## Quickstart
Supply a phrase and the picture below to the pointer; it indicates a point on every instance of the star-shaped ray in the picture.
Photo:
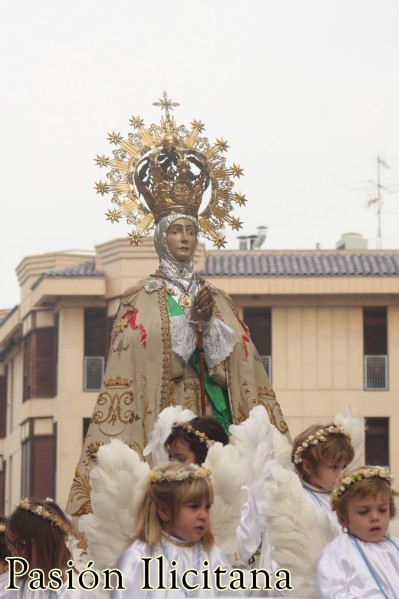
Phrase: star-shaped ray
(101, 187)
(236, 224)
(115, 138)
(237, 170)
(198, 126)
(135, 238)
(240, 199)
(221, 145)
(220, 241)
(101, 160)
(136, 122)
(113, 215)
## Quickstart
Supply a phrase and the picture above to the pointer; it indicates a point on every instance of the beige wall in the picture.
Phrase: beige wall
(317, 346)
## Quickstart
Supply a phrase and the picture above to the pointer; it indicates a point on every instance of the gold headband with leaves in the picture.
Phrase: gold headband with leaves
(318, 437)
(187, 426)
(358, 475)
(190, 473)
(42, 512)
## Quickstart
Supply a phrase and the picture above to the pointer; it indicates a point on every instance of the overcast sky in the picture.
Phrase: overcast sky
(305, 91)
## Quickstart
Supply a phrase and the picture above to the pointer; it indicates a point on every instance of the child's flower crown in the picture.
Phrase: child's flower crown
(43, 512)
(190, 429)
(356, 476)
(318, 437)
(190, 473)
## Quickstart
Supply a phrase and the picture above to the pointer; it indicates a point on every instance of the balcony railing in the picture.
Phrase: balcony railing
(267, 363)
(93, 373)
(376, 373)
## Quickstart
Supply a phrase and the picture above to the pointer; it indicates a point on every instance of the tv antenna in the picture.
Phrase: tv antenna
(378, 199)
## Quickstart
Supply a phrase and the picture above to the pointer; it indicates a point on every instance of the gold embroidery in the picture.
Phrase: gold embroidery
(266, 392)
(122, 324)
(82, 541)
(117, 382)
(113, 412)
(120, 346)
(92, 449)
(273, 410)
(81, 490)
(166, 347)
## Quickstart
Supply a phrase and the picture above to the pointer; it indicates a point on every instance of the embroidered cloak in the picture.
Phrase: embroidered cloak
(144, 376)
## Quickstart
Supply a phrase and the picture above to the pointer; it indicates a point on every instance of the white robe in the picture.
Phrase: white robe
(322, 500)
(3, 583)
(342, 572)
(187, 557)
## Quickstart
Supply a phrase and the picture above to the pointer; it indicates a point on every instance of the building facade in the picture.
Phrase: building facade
(326, 324)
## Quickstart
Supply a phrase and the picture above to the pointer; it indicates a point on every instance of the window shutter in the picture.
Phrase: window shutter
(45, 363)
(3, 406)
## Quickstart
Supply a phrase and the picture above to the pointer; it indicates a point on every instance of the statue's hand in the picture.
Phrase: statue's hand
(202, 308)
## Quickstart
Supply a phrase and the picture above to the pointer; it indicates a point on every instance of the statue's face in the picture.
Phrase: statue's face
(181, 239)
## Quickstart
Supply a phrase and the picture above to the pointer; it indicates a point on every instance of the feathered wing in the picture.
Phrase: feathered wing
(119, 481)
(161, 431)
(260, 444)
(298, 530)
(228, 476)
(355, 425)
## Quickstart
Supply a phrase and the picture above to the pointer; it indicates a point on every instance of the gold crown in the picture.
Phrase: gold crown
(170, 167)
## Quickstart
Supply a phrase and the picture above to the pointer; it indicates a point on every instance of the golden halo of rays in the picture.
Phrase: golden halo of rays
(129, 151)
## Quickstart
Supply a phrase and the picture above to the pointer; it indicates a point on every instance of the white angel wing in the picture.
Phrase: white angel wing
(228, 476)
(259, 442)
(297, 529)
(119, 481)
(355, 425)
(161, 431)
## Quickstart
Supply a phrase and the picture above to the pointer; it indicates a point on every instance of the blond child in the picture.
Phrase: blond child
(362, 561)
(173, 538)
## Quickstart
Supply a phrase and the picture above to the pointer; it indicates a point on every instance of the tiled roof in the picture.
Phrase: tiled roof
(84, 269)
(302, 264)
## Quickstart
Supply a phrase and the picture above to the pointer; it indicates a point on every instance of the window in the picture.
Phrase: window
(93, 373)
(259, 322)
(38, 466)
(40, 363)
(2, 485)
(95, 332)
(375, 349)
(377, 441)
(3, 407)
(95, 347)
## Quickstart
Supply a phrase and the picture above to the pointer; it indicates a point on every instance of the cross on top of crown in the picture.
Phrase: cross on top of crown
(166, 104)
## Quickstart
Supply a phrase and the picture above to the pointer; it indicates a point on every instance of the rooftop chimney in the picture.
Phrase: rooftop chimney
(352, 241)
(252, 242)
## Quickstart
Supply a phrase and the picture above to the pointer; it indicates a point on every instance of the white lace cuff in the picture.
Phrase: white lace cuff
(218, 343)
(184, 337)
(218, 339)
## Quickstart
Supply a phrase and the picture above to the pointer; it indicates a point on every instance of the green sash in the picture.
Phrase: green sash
(217, 395)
